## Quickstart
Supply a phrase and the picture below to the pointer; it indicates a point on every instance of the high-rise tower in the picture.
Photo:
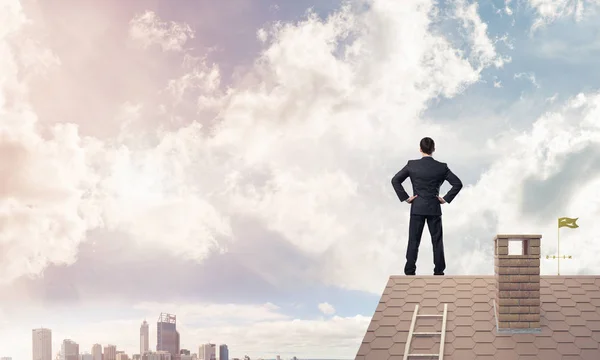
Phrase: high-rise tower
(97, 352)
(144, 338)
(110, 352)
(69, 350)
(167, 337)
(42, 344)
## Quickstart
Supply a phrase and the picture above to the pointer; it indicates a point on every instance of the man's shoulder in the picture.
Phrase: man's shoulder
(428, 159)
(440, 162)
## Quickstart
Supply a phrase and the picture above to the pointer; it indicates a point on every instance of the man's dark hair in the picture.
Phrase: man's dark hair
(427, 145)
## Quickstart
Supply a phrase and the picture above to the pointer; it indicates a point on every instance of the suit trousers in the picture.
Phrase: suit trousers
(415, 231)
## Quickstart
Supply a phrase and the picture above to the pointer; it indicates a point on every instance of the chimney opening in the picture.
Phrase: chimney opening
(516, 247)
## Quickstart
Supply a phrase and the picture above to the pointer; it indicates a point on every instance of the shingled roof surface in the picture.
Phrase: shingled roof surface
(570, 320)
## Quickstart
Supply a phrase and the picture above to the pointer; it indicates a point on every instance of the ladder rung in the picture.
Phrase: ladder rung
(412, 332)
(427, 355)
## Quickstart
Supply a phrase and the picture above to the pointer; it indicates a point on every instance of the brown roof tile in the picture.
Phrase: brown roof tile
(570, 320)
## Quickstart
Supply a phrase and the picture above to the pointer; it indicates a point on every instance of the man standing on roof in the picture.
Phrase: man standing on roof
(426, 176)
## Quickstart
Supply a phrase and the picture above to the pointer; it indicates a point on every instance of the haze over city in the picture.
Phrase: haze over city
(230, 161)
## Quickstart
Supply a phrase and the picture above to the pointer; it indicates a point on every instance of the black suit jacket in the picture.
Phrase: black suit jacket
(426, 176)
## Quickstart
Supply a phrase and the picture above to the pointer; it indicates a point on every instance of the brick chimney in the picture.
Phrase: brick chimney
(517, 300)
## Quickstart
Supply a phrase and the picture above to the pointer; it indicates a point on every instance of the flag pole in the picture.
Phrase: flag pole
(558, 242)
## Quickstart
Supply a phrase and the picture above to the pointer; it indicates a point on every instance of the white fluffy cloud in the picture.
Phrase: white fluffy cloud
(306, 142)
(44, 173)
(326, 308)
(148, 29)
(550, 10)
(290, 147)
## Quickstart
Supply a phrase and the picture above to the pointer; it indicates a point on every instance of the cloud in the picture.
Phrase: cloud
(482, 45)
(552, 98)
(549, 11)
(204, 79)
(529, 76)
(148, 29)
(46, 177)
(216, 313)
(326, 308)
(178, 187)
(320, 82)
(507, 8)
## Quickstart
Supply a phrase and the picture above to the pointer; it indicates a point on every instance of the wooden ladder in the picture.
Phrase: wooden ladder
(411, 333)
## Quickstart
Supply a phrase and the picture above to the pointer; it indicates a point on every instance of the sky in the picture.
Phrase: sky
(230, 162)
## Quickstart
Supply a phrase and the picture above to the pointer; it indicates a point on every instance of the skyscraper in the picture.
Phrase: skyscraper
(167, 337)
(207, 352)
(97, 352)
(110, 352)
(69, 350)
(223, 352)
(42, 344)
(144, 338)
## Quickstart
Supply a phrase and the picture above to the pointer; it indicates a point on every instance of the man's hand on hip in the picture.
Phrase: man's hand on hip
(441, 199)
(410, 199)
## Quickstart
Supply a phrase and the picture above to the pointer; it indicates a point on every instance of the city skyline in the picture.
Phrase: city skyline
(70, 350)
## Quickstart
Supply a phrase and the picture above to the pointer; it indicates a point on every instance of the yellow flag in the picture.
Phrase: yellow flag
(567, 222)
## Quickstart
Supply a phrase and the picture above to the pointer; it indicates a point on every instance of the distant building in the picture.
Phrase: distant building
(159, 355)
(207, 352)
(69, 350)
(110, 352)
(222, 353)
(167, 337)
(86, 356)
(144, 338)
(96, 352)
(42, 344)
(6, 358)
(122, 356)
(186, 357)
(136, 357)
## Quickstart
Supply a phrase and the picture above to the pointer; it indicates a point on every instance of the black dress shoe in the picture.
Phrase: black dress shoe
(410, 274)
(438, 273)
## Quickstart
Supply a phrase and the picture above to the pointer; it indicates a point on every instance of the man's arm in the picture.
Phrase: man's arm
(456, 185)
(397, 183)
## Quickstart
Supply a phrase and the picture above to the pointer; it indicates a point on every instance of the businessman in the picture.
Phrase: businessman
(426, 176)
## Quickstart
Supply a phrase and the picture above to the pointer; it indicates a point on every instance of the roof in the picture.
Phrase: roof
(570, 320)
